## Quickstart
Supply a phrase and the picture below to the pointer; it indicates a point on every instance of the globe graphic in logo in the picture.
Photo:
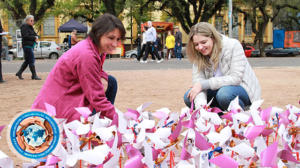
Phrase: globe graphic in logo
(34, 134)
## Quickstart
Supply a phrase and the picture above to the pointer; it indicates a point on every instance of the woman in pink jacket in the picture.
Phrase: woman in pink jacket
(78, 79)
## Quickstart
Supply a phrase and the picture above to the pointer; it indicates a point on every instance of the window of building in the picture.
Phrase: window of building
(248, 28)
(12, 28)
(235, 26)
(219, 23)
(49, 26)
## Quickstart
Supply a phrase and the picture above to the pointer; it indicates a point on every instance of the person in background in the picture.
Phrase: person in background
(140, 55)
(66, 39)
(157, 45)
(138, 42)
(78, 78)
(69, 41)
(178, 43)
(170, 44)
(5, 47)
(74, 39)
(150, 39)
(29, 40)
(1, 77)
(243, 44)
(221, 72)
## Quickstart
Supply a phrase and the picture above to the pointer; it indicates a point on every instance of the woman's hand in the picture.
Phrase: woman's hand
(195, 90)
(104, 83)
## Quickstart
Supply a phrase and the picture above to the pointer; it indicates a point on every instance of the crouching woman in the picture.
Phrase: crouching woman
(221, 71)
(78, 79)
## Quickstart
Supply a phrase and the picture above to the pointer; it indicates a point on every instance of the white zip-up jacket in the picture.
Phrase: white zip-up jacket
(235, 68)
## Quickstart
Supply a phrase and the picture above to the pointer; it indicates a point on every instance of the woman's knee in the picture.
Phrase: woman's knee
(224, 96)
(112, 81)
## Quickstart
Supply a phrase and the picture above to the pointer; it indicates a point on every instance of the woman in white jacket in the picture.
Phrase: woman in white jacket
(221, 71)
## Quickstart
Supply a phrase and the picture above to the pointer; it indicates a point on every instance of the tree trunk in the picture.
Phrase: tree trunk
(261, 32)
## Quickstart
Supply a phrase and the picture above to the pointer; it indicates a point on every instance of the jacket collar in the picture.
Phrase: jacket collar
(95, 49)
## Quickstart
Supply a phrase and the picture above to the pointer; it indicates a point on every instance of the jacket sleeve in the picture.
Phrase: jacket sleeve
(26, 34)
(198, 76)
(201, 98)
(104, 75)
(89, 72)
(236, 60)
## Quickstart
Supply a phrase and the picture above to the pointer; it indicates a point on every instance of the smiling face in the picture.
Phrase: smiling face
(30, 21)
(203, 44)
(110, 41)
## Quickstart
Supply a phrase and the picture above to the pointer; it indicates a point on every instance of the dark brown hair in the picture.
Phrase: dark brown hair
(105, 24)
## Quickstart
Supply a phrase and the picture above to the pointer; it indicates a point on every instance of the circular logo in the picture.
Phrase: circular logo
(34, 134)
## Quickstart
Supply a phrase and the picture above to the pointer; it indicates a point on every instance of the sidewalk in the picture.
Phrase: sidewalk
(115, 64)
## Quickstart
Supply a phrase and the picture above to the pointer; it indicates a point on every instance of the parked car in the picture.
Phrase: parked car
(131, 53)
(43, 49)
(273, 52)
(248, 50)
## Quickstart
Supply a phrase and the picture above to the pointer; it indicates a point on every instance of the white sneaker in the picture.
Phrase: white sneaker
(143, 62)
(159, 61)
(152, 60)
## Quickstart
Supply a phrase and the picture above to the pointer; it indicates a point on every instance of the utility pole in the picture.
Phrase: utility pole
(230, 18)
(131, 46)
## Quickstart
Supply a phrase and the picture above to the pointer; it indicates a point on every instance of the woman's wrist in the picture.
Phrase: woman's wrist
(205, 84)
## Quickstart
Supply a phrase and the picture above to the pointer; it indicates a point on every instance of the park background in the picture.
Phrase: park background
(162, 84)
(251, 21)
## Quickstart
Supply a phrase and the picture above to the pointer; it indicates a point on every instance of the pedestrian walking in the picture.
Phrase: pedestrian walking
(178, 43)
(138, 42)
(158, 45)
(150, 39)
(170, 44)
(29, 39)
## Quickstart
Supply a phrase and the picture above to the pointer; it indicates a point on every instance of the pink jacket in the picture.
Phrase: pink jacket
(75, 81)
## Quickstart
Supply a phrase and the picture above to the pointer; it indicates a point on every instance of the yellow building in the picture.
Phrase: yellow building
(242, 31)
(47, 30)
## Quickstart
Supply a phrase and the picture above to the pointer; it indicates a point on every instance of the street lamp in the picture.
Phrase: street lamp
(230, 18)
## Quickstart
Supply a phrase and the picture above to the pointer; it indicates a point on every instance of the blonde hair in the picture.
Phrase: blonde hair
(207, 30)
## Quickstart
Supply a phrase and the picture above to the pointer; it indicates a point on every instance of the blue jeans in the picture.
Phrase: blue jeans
(139, 50)
(112, 88)
(28, 56)
(177, 50)
(223, 96)
(111, 91)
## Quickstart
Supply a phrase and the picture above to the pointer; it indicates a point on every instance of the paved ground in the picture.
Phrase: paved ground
(115, 64)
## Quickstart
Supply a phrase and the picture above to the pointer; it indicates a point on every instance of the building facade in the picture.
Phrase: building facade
(48, 29)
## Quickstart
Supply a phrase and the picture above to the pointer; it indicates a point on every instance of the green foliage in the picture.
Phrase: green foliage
(288, 18)
(261, 12)
(139, 10)
(18, 9)
(89, 10)
(188, 13)
(115, 7)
